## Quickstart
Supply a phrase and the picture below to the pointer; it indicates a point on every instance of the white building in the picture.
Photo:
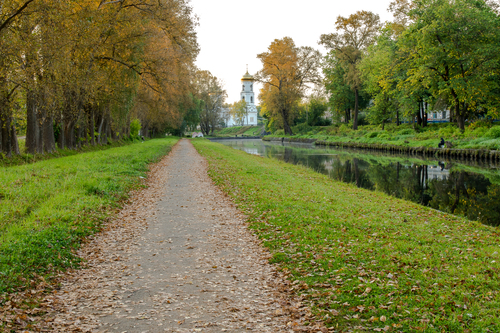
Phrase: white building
(248, 95)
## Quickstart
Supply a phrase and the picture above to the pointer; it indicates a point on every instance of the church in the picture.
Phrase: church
(246, 94)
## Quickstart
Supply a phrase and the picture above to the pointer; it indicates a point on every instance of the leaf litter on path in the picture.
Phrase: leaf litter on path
(177, 258)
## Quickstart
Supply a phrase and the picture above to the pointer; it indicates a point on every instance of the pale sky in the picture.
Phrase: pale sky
(231, 33)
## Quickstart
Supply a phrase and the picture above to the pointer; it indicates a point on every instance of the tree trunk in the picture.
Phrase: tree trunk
(13, 140)
(99, 132)
(424, 111)
(286, 126)
(62, 139)
(49, 144)
(31, 123)
(356, 105)
(92, 128)
(397, 117)
(70, 135)
(1, 134)
(419, 114)
(6, 135)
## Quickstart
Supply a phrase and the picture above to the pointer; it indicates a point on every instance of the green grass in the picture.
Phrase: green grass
(476, 136)
(239, 130)
(25, 158)
(47, 208)
(365, 261)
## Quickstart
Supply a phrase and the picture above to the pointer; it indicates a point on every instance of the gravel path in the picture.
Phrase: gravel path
(178, 258)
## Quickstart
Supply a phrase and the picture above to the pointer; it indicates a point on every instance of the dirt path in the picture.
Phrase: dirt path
(178, 259)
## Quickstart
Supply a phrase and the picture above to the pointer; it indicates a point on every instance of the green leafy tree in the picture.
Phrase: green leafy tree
(341, 96)
(452, 49)
(316, 109)
(354, 34)
(193, 112)
(380, 78)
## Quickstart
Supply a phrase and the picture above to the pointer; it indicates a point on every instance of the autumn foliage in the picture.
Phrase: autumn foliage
(77, 72)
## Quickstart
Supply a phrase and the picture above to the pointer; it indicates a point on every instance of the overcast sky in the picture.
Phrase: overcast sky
(231, 32)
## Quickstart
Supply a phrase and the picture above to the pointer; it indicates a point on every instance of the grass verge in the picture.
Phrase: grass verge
(47, 208)
(363, 260)
(25, 158)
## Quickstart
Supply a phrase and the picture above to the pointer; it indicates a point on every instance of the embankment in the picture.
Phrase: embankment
(364, 261)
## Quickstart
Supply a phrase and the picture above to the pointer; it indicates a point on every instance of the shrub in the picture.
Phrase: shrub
(279, 132)
(301, 128)
(371, 135)
(135, 127)
(449, 131)
(479, 132)
(479, 124)
(384, 136)
(406, 131)
(344, 129)
(323, 122)
(494, 132)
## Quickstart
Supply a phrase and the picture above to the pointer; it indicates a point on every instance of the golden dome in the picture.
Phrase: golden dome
(247, 77)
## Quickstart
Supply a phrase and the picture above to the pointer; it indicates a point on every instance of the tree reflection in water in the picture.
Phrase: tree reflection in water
(437, 185)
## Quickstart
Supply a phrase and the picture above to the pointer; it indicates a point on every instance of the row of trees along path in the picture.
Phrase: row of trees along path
(76, 72)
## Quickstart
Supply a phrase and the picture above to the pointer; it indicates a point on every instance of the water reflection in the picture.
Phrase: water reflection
(444, 186)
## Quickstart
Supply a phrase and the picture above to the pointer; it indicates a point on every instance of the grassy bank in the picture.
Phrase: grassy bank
(363, 260)
(239, 130)
(479, 135)
(25, 158)
(46, 208)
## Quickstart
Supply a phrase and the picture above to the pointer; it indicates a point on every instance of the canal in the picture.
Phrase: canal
(470, 190)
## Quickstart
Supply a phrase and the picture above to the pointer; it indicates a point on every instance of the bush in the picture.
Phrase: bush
(449, 131)
(323, 122)
(371, 135)
(279, 132)
(479, 124)
(494, 132)
(384, 136)
(301, 128)
(135, 127)
(406, 131)
(479, 132)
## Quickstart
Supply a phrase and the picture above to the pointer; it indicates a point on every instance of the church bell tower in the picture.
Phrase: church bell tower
(248, 96)
(247, 88)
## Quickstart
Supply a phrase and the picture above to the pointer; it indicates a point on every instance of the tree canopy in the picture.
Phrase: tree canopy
(286, 72)
(79, 71)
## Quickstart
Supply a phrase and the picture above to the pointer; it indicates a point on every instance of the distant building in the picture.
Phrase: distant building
(438, 116)
(248, 95)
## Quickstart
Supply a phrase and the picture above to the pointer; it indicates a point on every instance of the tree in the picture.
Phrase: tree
(378, 71)
(341, 96)
(355, 34)
(86, 68)
(316, 108)
(192, 114)
(286, 72)
(212, 95)
(238, 110)
(452, 49)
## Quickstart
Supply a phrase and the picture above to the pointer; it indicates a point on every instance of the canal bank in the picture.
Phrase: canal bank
(469, 188)
(364, 260)
(471, 154)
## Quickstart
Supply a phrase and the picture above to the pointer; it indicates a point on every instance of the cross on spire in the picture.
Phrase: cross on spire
(247, 68)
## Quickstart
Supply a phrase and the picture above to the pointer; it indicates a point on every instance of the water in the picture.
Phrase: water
(471, 190)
